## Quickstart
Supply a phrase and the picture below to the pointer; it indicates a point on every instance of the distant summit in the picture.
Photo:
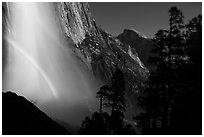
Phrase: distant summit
(140, 34)
(139, 44)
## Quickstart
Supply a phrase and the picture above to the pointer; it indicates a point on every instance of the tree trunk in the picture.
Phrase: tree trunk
(100, 107)
(154, 125)
(164, 113)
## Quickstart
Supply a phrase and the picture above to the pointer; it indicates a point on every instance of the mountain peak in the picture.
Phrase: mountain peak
(140, 43)
(140, 34)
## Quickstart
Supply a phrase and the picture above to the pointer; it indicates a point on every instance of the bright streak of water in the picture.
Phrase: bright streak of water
(42, 67)
(35, 64)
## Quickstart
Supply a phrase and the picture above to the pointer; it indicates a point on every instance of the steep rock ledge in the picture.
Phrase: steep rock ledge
(101, 51)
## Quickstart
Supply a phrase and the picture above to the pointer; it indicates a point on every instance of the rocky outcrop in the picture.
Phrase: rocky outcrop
(21, 117)
(101, 51)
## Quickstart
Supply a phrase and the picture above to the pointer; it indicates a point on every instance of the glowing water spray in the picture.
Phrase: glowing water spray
(26, 34)
(35, 64)
(42, 67)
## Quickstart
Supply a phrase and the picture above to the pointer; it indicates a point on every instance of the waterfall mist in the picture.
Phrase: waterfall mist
(42, 67)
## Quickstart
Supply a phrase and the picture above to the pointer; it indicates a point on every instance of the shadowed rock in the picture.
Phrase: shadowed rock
(21, 117)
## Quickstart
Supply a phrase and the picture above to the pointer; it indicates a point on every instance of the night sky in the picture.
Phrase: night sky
(146, 17)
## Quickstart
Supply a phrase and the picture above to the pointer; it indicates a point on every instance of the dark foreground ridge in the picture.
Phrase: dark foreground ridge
(21, 117)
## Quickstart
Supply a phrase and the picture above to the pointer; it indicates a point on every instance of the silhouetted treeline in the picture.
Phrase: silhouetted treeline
(173, 98)
(110, 121)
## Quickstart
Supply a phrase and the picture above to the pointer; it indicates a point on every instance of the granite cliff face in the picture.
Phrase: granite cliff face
(99, 50)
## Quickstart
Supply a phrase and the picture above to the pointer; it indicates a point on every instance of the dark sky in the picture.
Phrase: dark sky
(146, 17)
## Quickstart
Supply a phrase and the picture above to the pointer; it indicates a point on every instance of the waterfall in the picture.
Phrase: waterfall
(41, 65)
